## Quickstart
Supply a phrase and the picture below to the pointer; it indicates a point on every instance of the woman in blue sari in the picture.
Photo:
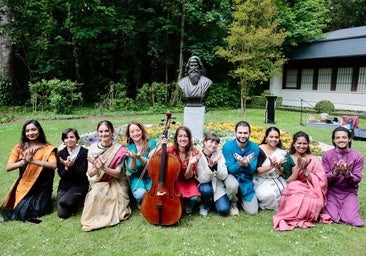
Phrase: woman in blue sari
(139, 146)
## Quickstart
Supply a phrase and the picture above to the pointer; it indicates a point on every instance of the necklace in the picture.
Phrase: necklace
(182, 155)
(140, 147)
(104, 147)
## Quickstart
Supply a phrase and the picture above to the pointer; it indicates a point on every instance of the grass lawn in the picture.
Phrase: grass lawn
(194, 234)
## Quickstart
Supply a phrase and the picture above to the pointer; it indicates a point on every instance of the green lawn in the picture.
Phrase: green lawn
(193, 235)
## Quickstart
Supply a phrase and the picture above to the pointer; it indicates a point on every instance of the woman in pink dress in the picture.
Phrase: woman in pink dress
(303, 200)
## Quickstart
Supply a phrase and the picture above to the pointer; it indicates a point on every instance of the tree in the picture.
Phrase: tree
(346, 14)
(203, 25)
(254, 44)
(303, 20)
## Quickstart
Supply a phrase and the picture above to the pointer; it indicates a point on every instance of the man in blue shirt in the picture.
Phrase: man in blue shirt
(241, 156)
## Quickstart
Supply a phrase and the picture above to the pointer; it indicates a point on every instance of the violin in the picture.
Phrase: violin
(162, 204)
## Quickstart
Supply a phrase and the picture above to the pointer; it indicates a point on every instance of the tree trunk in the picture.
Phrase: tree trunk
(175, 96)
(242, 102)
(5, 43)
(166, 56)
(181, 44)
(243, 97)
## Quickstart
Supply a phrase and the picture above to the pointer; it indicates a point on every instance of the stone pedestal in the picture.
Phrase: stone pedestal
(194, 118)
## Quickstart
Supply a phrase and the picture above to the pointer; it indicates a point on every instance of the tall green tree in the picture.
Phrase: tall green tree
(102, 35)
(203, 25)
(303, 20)
(97, 42)
(254, 44)
(346, 13)
(84, 41)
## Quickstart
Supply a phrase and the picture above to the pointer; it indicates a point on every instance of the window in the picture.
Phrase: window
(344, 79)
(362, 80)
(324, 79)
(343, 75)
(307, 79)
(291, 78)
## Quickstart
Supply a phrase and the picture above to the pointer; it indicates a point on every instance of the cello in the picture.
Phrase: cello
(162, 205)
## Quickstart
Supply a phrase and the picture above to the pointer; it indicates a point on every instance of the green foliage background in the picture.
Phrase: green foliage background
(138, 43)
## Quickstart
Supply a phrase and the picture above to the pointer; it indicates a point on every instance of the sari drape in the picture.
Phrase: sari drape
(302, 202)
(31, 194)
(107, 202)
(269, 186)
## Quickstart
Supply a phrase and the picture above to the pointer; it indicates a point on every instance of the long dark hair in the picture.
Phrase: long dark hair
(295, 138)
(269, 129)
(189, 134)
(41, 137)
(342, 129)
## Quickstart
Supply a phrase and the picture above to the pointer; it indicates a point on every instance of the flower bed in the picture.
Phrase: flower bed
(224, 130)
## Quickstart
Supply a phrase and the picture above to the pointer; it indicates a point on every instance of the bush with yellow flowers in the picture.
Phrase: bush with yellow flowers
(224, 130)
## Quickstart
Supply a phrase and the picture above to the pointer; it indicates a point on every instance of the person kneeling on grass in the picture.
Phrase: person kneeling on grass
(215, 181)
(343, 167)
(241, 156)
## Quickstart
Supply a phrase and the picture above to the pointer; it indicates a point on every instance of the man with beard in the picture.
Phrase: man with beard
(195, 84)
(241, 157)
(343, 167)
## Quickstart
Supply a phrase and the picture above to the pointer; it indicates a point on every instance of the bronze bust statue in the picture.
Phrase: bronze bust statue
(195, 84)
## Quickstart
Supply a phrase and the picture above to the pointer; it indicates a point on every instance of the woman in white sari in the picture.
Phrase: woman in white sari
(268, 182)
(107, 202)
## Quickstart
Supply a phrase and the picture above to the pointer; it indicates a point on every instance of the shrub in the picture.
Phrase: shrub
(150, 95)
(55, 95)
(223, 96)
(116, 98)
(261, 100)
(324, 106)
(6, 98)
(257, 101)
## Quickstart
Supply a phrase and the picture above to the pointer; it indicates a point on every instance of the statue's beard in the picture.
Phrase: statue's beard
(194, 77)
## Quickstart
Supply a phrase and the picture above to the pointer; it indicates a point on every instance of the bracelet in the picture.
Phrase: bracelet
(22, 162)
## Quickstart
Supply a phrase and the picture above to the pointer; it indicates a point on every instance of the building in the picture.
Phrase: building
(333, 68)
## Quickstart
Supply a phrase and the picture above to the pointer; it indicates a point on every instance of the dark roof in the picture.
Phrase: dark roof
(340, 43)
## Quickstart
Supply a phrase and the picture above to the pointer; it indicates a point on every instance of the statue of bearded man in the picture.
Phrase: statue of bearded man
(195, 84)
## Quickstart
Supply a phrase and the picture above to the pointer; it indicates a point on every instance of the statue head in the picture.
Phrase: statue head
(194, 69)
(195, 84)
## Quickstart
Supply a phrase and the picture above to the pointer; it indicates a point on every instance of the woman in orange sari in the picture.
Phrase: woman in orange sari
(30, 196)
